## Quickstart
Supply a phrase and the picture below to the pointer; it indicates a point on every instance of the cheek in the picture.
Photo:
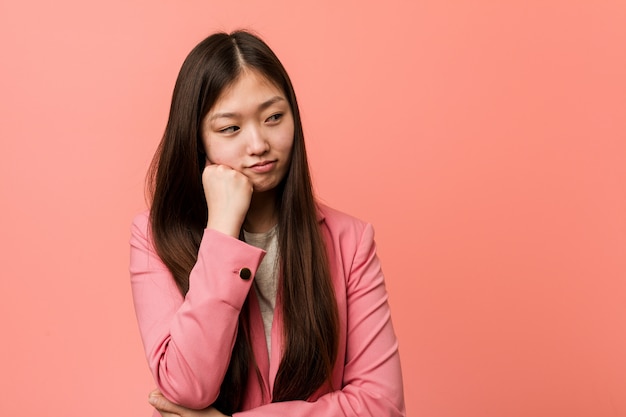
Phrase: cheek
(205, 145)
(212, 149)
(222, 153)
(286, 140)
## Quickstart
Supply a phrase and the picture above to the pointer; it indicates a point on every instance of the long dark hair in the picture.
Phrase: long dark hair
(179, 214)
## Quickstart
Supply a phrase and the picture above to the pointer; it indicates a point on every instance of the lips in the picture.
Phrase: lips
(263, 166)
(262, 163)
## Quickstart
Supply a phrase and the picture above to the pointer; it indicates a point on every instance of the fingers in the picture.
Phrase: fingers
(168, 409)
(228, 193)
(163, 405)
(166, 414)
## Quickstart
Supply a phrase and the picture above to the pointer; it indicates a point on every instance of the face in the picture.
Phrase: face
(250, 129)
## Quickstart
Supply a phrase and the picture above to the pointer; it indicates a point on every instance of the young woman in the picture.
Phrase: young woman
(252, 298)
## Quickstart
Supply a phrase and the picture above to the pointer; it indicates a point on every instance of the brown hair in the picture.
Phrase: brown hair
(179, 214)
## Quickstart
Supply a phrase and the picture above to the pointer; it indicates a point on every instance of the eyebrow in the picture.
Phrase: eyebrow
(261, 107)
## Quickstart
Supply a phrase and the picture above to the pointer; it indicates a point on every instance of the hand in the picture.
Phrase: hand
(228, 193)
(168, 409)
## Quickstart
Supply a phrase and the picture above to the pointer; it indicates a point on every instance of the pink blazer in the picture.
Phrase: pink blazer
(188, 341)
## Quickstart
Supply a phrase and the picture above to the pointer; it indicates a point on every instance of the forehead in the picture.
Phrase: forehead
(250, 88)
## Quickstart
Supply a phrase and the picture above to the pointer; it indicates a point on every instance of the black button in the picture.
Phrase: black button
(245, 273)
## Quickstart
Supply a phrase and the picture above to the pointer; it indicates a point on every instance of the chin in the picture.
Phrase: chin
(263, 188)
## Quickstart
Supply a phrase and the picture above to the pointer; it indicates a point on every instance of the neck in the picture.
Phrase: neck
(261, 215)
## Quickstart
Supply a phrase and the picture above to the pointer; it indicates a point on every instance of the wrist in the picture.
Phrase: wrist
(224, 228)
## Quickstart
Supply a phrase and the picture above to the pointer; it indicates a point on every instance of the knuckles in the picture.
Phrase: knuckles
(215, 174)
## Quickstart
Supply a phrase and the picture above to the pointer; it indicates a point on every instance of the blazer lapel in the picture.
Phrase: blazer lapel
(259, 345)
(277, 343)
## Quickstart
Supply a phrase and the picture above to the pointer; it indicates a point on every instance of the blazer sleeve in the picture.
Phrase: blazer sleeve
(372, 380)
(188, 340)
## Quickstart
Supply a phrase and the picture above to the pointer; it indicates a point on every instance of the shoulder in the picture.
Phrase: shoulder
(332, 216)
(351, 248)
(142, 219)
(140, 227)
(141, 222)
(342, 226)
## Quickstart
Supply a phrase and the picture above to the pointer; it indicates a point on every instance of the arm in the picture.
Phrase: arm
(372, 380)
(188, 341)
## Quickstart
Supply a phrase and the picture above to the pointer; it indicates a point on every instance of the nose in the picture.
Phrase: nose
(257, 143)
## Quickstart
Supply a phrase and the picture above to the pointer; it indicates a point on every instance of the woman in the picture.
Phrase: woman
(252, 298)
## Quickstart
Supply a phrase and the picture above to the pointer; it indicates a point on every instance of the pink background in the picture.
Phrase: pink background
(485, 140)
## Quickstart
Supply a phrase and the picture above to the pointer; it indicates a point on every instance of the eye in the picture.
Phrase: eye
(274, 118)
(229, 129)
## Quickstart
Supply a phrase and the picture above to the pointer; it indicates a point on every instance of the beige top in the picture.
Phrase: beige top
(266, 278)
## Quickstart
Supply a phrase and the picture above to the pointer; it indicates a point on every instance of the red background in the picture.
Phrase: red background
(485, 140)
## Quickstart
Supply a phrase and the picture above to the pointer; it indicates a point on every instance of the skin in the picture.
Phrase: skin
(168, 409)
(251, 124)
